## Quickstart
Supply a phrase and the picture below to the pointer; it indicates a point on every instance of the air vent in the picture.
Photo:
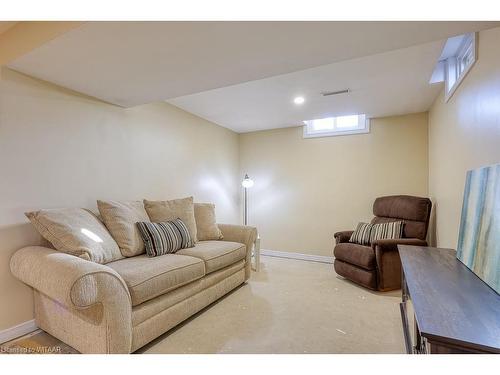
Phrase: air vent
(335, 92)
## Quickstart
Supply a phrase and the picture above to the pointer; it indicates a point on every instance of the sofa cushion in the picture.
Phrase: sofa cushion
(147, 277)
(361, 256)
(76, 231)
(216, 254)
(161, 211)
(120, 219)
(206, 224)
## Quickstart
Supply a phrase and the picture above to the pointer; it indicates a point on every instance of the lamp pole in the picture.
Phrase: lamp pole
(245, 208)
(246, 183)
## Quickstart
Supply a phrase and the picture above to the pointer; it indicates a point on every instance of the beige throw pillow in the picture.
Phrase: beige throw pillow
(161, 211)
(206, 223)
(120, 218)
(76, 231)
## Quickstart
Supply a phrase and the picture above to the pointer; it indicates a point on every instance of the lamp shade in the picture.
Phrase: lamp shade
(247, 182)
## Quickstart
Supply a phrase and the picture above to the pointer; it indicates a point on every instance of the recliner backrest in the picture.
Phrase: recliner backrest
(415, 211)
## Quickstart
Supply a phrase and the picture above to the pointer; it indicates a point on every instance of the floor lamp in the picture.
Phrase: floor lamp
(246, 183)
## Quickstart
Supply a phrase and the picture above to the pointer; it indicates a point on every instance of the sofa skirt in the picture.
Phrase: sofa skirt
(167, 319)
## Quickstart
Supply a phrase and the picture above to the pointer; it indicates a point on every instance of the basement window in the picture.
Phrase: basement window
(333, 126)
(457, 58)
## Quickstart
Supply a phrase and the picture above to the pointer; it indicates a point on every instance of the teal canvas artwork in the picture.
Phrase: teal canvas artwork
(479, 236)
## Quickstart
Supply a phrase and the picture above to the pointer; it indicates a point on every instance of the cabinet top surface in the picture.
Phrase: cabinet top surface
(451, 303)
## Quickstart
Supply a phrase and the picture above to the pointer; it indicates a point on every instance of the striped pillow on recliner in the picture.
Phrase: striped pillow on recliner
(365, 234)
(385, 231)
(361, 235)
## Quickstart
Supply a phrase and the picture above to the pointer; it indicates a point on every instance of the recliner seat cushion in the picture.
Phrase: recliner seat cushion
(361, 256)
(147, 277)
(216, 254)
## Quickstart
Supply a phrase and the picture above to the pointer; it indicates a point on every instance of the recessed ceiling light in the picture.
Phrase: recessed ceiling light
(299, 100)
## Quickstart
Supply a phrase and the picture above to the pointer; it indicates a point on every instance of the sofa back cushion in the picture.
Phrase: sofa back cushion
(161, 211)
(76, 231)
(120, 218)
(206, 223)
(414, 211)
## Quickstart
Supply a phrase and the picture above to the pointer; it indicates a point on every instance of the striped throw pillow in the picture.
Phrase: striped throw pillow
(365, 233)
(362, 234)
(383, 231)
(165, 238)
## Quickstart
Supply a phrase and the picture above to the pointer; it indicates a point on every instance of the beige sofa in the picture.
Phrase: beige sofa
(121, 306)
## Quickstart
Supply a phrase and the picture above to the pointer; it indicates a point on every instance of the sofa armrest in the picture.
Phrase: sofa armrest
(343, 236)
(392, 244)
(239, 233)
(79, 284)
(243, 234)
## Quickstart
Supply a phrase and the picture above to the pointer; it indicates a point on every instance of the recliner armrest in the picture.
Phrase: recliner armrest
(388, 261)
(392, 244)
(343, 236)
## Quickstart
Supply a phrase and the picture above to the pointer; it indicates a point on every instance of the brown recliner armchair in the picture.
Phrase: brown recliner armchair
(378, 266)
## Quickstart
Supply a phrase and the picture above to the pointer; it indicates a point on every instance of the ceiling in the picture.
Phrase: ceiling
(389, 83)
(6, 25)
(249, 63)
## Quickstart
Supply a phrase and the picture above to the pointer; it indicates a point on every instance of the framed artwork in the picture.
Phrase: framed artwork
(479, 236)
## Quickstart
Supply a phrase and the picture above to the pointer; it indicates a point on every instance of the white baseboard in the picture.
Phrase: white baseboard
(17, 331)
(299, 256)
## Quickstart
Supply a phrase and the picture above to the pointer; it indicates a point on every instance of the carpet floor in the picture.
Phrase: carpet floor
(290, 306)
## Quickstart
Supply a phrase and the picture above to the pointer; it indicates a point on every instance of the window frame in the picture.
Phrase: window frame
(453, 64)
(309, 133)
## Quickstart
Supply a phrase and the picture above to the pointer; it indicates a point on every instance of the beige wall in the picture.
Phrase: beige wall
(307, 189)
(61, 149)
(464, 134)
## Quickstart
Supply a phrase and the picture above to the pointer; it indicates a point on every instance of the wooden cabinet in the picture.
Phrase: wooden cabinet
(445, 307)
